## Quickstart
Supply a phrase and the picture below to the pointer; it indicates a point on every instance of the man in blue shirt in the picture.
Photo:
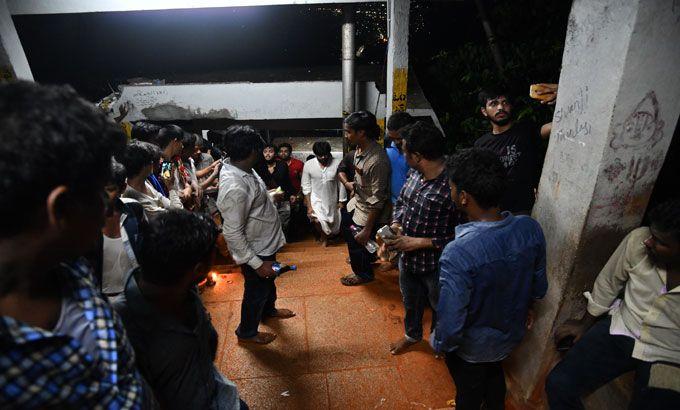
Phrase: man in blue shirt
(490, 275)
(395, 124)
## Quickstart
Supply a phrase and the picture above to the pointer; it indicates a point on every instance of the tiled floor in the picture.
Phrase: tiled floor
(335, 353)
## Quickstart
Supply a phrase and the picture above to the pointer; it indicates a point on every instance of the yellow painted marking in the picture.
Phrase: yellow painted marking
(399, 90)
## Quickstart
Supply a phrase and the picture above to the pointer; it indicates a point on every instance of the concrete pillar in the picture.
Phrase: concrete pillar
(13, 62)
(348, 91)
(397, 55)
(617, 107)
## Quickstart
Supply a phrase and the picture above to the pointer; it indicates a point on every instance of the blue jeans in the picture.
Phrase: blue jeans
(596, 359)
(259, 297)
(417, 291)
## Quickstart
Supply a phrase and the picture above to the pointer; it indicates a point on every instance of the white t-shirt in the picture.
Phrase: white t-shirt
(115, 265)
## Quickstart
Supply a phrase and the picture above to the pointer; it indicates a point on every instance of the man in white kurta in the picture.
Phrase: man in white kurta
(322, 190)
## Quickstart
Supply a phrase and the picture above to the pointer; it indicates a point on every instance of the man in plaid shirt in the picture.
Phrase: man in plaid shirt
(61, 343)
(424, 220)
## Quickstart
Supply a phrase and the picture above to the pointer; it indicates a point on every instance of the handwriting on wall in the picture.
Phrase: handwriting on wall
(568, 122)
(147, 97)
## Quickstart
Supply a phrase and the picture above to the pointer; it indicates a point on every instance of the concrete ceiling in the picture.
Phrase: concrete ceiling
(18, 7)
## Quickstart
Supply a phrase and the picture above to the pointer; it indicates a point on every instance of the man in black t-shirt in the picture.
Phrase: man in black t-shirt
(517, 146)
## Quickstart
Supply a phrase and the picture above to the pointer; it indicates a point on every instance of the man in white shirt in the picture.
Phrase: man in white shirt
(120, 235)
(641, 332)
(138, 160)
(323, 192)
(252, 230)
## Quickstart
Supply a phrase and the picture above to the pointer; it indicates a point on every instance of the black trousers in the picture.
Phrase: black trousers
(259, 297)
(360, 258)
(597, 358)
(477, 383)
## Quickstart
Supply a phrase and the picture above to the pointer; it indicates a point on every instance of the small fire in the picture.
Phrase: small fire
(213, 276)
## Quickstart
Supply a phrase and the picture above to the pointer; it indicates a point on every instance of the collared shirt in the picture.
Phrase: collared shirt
(489, 276)
(425, 210)
(153, 202)
(176, 360)
(251, 224)
(371, 185)
(40, 369)
(649, 311)
(399, 170)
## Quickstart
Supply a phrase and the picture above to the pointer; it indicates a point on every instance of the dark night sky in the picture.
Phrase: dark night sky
(90, 51)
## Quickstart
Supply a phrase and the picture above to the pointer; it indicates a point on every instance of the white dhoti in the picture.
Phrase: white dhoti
(325, 192)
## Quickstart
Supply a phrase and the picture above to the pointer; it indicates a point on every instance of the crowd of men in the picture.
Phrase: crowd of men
(105, 240)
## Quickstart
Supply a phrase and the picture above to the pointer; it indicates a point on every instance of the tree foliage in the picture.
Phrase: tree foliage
(530, 34)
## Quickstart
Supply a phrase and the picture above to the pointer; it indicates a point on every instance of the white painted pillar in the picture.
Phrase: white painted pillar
(397, 55)
(13, 62)
(617, 107)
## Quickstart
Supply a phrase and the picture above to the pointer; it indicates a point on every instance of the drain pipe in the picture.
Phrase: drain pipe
(348, 61)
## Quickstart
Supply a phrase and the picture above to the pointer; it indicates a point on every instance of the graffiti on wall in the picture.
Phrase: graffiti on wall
(642, 128)
(636, 163)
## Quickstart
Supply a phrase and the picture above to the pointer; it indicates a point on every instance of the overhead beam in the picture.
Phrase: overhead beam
(240, 101)
(19, 7)
(13, 61)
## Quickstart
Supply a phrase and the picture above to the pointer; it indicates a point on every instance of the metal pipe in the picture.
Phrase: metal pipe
(348, 61)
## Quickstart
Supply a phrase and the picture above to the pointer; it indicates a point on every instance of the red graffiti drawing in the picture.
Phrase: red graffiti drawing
(642, 128)
(614, 169)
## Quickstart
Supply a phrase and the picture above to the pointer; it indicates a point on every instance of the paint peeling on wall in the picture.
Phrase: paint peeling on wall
(170, 111)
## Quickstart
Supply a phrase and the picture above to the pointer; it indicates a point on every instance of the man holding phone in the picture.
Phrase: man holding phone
(252, 230)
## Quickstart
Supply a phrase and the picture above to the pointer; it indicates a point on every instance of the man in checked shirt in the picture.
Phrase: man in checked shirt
(424, 219)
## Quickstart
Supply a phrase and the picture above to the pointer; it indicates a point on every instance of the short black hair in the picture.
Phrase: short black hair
(480, 173)
(399, 120)
(425, 139)
(363, 120)
(490, 93)
(241, 140)
(168, 134)
(321, 148)
(172, 243)
(666, 217)
(200, 141)
(145, 131)
(189, 141)
(156, 152)
(286, 145)
(50, 137)
(118, 174)
(136, 156)
(269, 145)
